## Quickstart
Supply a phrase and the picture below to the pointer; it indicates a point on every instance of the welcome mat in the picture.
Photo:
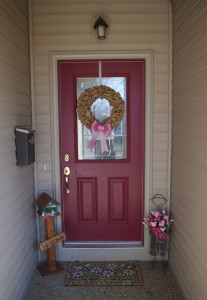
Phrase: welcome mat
(103, 273)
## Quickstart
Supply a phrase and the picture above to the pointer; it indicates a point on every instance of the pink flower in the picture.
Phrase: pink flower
(156, 213)
(162, 223)
(166, 218)
(153, 224)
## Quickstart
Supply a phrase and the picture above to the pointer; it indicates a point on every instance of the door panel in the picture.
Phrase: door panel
(105, 202)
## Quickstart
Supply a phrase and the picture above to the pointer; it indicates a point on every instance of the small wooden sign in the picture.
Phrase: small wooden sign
(52, 241)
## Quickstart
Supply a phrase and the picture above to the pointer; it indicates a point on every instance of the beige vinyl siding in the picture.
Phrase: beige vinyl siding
(67, 25)
(17, 222)
(189, 147)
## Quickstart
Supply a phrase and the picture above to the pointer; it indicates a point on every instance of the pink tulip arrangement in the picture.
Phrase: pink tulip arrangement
(159, 224)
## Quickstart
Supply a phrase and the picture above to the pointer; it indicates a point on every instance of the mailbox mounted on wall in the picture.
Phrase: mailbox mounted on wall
(25, 146)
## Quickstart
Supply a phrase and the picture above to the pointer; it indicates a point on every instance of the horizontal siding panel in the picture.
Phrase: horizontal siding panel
(161, 98)
(23, 6)
(15, 36)
(195, 234)
(11, 71)
(159, 166)
(161, 108)
(42, 100)
(189, 147)
(45, 185)
(191, 80)
(11, 108)
(162, 175)
(14, 120)
(85, 28)
(16, 13)
(16, 183)
(47, 176)
(161, 118)
(43, 80)
(160, 157)
(160, 88)
(199, 48)
(160, 129)
(44, 148)
(7, 145)
(115, 43)
(44, 157)
(91, 9)
(43, 138)
(8, 159)
(14, 23)
(198, 186)
(121, 19)
(193, 92)
(183, 13)
(160, 136)
(13, 96)
(190, 67)
(198, 118)
(160, 146)
(16, 207)
(193, 106)
(42, 109)
(41, 90)
(14, 84)
(197, 149)
(160, 57)
(158, 184)
(12, 59)
(13, 172)
(92, 2)
(6, 134)
(160, 67)
(14, 49)
(43, 129)
(190, 130)
(190, 26)
(61, 40)
(43, 119)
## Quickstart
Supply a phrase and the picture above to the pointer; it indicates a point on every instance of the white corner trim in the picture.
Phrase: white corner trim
(141, 253)
(31, 45)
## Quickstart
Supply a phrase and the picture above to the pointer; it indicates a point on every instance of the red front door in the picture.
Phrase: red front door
(106, 188)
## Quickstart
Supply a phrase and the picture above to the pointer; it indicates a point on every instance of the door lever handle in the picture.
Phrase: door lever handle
(67, 173)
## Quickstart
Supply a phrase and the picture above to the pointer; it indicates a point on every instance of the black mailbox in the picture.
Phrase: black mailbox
(25, 146)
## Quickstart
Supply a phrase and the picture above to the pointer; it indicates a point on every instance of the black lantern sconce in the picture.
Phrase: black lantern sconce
(100, 26)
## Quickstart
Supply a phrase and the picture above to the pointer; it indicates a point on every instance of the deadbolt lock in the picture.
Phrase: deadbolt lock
(66, 157)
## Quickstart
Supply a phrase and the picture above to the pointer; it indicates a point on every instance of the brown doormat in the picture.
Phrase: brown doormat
(103, 273)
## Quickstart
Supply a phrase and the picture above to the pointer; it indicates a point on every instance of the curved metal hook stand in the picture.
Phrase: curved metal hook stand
(159, 197)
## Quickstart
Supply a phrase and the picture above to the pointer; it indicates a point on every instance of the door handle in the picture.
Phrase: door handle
(67, 173)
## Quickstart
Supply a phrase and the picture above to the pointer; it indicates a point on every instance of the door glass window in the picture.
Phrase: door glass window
(116, 142)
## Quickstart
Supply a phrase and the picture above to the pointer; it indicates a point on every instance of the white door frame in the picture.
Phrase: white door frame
(123, 253)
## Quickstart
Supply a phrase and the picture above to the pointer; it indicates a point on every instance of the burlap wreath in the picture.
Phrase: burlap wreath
(89, 96)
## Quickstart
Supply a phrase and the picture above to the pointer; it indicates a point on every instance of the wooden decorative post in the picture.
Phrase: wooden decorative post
(47, 209)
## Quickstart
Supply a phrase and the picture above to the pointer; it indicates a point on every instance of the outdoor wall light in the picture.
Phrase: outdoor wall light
(100, 26)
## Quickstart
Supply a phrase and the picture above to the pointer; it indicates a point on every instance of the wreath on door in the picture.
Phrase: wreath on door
(100, 129)
(89, 96)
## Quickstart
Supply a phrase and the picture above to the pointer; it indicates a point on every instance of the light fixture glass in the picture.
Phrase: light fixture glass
(100, 26)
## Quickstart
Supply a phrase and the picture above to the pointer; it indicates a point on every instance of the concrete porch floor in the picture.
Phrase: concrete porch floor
(159, 283)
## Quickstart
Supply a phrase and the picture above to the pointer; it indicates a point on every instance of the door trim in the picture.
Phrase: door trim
(139, 252)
